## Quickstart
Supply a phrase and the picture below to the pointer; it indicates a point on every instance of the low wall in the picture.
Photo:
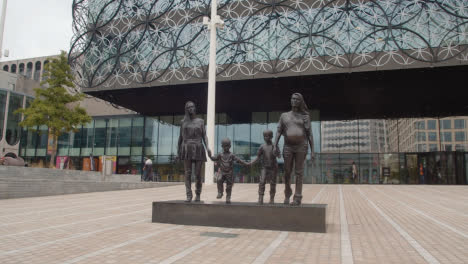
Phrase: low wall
(18, 182)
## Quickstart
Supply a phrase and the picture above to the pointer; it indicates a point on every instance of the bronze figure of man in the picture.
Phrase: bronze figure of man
(295, 127)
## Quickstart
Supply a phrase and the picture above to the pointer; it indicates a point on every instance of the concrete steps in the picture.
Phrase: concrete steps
(18, 182)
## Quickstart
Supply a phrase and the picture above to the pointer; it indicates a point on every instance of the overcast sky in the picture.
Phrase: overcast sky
(35, 28)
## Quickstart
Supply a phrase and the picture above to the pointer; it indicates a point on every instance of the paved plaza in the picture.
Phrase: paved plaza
(366, 224)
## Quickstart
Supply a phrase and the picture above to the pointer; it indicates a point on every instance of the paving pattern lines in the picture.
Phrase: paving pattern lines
(48, 233)
(187, 252)
(432, 234)
(44, 237)
(408, 196)
(304, 247)
(257, 248)
(443, 200)
(81, 211)
(62, 222)
(444, 223)
(373, 239)
(427, 237)
(452, 191)
(346, 251)
(37, 212)
(455, 219)
(60, 252)
(130, 259)
(20, 241)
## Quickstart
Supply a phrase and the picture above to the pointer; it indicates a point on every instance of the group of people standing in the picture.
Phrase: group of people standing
(294, 126)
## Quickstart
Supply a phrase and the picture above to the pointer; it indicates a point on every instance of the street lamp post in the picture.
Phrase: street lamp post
(212, 24)
(2, 25)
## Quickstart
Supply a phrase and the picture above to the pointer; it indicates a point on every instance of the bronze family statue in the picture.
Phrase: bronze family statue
(294, 126)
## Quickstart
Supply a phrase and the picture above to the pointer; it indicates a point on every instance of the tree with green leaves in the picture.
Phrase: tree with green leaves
(54, 106)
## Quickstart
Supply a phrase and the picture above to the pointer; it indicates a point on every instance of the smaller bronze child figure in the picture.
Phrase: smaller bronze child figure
(225, 162)
(269, 167)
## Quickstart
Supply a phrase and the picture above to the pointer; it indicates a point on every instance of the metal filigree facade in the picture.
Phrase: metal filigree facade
(119, 43)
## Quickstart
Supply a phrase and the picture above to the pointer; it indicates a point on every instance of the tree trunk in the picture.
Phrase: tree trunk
(54, 151)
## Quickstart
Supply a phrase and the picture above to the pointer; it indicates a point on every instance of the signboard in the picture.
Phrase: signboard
(61, 162)
(51, 144)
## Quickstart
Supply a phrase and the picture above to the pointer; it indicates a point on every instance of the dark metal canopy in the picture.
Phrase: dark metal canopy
(424, 92)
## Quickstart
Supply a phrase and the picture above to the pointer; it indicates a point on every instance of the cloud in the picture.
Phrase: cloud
(37, 28)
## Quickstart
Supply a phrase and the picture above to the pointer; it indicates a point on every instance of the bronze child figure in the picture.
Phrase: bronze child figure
(225, 162)
(269, 167)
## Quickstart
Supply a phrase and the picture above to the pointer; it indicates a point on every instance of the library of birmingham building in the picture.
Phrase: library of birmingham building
(383, 81)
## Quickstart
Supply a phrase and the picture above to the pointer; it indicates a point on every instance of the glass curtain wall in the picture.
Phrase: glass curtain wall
(13, 129)
(3, 98)
(383, 151)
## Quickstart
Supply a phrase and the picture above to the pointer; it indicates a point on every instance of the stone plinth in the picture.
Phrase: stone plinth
(304, 218)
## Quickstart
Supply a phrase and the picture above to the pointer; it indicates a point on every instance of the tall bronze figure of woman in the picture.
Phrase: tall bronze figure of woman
(190, 149)
(296, 130)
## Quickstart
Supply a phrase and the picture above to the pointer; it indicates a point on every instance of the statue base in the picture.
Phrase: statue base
(304, 218)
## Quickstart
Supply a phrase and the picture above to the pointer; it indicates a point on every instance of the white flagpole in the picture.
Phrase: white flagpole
(210, 113)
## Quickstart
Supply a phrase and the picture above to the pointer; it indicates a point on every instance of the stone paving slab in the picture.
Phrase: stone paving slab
(365, 224)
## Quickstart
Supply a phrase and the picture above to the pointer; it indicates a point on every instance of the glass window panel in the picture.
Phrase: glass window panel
(87, 139)
(345, 136)
(431, 124)
(220, 131)
(460, 147)
(406, 135)
(75, 143)
(100, 127)
(446, 136)
(32, 138)
(330, 168)
(259, 125)
(124, 136)
(419, 125)
(346, 163)
(137, 135)
(165, 135)
(460, 136)
(459, 123)
(420, 136)
(391, 136)
(151, 136)
(390, 172)
(369, 168)
(23, 142)
(176, 132)
(111, 137)
(273, 119)
(241, 142)
(422, 148)
(432, 136)
(224, 130)
(433, 147)
(316, 135)
(12, 128)
(43, 140)
(446, 124)
(63, 144)
(165, 169)
(447, 147)
(3, 97)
